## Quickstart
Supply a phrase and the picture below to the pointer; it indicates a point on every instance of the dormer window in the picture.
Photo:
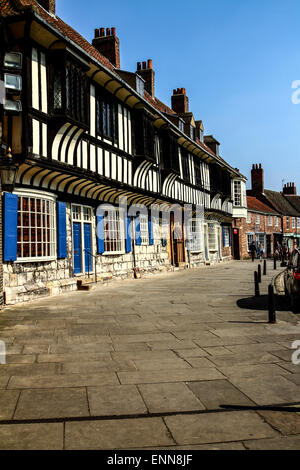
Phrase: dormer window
(181, 125)
(192, 132)
(140, 86)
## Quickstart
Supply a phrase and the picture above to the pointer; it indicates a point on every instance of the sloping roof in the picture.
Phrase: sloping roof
(256, 205)
(15, 7)
(294, 201)
(280, 203)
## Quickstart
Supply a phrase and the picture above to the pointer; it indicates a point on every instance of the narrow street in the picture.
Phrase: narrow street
(152, 363)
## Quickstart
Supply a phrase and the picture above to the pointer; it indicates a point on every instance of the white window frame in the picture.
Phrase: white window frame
(293, 222)
(250, 238)
(237, 193)
(28, 193)
(121, 220)
(298, 222)
(226, 237)
(212, 230)
(195, 236)
(144, 229)
(249, 217)
(276, 221)
(270, 221)
(257, 219)
(288, 223)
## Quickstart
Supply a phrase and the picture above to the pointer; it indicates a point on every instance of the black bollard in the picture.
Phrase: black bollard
(275, 265)
(271, 305)
(259, 273)
(256, 283)
(265, 267)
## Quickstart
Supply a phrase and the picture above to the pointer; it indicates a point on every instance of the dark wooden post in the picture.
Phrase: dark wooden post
(259, 273)
(256, 284)
(265, 267)
(271, 305)
(275, 264)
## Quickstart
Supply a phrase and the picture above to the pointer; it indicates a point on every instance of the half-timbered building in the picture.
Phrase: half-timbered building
(84, 132)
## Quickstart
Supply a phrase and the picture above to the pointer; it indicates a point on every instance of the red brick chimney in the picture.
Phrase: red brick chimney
(48, 5)
(258, 180)
(180, 102)
(145, 70)
(290, 189)
(108, 45)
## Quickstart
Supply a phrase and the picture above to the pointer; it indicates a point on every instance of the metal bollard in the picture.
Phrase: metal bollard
(271, 305)
(275, 264)
(256, 284)
(265, 267)
(259, 273)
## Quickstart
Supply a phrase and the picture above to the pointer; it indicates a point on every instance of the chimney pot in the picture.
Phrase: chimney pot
(139, 66)
(144, 65)
(180, 102)
(257, 177)
(113, 31)
(108, 45)
(147, 73)
(150, 64)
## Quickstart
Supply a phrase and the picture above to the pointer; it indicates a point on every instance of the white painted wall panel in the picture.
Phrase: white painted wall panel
(35, 137)
(35, 78)
(84, 155)
(120, 126)
(44, 134)
(44, 84)
(93, 111)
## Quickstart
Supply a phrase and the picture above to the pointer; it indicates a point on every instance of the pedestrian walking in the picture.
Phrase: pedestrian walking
(253, 250)
(260, 252)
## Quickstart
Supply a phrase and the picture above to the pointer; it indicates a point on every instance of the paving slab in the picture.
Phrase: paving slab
(253, 370)
(62, 381)
(166, 376)
(218, 427)
(282, 443)
(117, 434)
(287, 423)
(174, 344)
(268, 390)
(73, 357)
(8, 401)
(52, 403)
(220, 392)
(97, 367)
(115, 400)
(3, 381)
(168, 398)
(245, 359)
(32, 437)
(161, 364)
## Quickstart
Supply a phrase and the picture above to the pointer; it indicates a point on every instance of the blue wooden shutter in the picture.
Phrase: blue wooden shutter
(224, 237)
(128, 234)
(138, 237)
(100, 234)
(61, 212)
(151, 237)
(10, 227)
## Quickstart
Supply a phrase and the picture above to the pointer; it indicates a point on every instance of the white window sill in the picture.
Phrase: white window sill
(36, 260)
(113, 253)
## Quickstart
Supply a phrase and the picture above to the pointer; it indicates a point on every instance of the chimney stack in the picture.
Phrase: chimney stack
(180, 102)
(145, 70)
(108, 45)
(48, 5)
(290, 189)
(258, 180)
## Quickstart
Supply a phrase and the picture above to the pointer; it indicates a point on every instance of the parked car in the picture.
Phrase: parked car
(292, 280)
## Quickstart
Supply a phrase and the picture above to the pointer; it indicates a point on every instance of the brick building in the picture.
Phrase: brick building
(271, 216)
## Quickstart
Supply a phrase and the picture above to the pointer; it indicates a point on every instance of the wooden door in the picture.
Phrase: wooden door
(177, 243)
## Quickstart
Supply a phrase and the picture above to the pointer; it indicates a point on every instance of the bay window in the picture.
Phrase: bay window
(36, 239)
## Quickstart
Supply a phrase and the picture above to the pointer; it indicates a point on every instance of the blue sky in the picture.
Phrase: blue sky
(237, 60)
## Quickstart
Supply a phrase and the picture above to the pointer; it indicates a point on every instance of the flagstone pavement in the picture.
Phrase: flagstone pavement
(184, 360)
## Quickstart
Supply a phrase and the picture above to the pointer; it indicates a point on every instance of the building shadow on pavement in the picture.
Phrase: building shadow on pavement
(282, 303)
